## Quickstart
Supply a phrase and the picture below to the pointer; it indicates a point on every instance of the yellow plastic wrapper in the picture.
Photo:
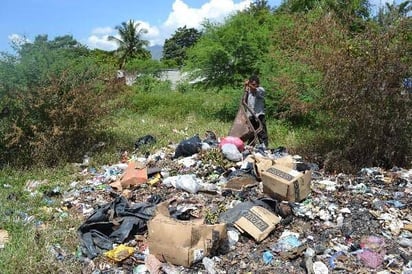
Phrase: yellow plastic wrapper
(155, 179)
(120, 253)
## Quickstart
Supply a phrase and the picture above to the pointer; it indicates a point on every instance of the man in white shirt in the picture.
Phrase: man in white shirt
(256, 102)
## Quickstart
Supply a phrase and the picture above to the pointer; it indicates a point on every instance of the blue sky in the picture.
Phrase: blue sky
(91, 21)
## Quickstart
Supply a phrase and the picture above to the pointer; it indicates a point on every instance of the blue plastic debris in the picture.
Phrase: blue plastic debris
(267, 257)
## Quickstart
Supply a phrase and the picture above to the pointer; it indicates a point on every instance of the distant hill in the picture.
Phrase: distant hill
(156, 51)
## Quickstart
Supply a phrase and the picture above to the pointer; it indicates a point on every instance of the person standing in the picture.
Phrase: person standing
(255, 98)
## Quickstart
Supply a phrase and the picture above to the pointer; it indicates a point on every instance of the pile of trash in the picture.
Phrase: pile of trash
(219, 206)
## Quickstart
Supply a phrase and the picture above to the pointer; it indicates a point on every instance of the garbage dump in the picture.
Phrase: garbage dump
(193, 208)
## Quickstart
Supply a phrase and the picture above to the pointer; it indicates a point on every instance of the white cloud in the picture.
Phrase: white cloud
(101, 42)
(215, 10)
(181, 15)
(98, 39)
(153, 33)
(18, 39)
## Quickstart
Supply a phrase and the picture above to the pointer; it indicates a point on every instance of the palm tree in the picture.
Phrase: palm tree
(131, 44)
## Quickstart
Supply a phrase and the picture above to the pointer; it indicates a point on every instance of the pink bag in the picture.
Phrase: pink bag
(233, 140)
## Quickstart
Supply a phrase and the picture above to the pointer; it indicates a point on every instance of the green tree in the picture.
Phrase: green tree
(104, 57)
(130, 41)
(352, 13)
(174, 49)
(227, 53)
(297, 6)
(259, 5)
(35, 60)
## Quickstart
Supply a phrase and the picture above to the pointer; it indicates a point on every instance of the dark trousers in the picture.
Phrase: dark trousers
(263, 134)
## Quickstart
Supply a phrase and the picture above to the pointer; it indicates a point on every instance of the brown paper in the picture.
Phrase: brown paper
(134, 175)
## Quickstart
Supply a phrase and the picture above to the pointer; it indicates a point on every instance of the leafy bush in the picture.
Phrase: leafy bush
(55, 106)
(149, 83)
(347, 86)
(183, 87)
(55, 123)
(228, 111)
(365, 99)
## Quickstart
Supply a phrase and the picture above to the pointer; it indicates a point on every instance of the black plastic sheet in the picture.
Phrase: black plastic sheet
(113, 223)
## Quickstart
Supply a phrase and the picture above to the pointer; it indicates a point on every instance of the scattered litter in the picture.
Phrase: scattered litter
(223, 206)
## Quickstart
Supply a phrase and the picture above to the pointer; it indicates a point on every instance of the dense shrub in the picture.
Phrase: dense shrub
(364, 95)
(56, 123)
(55, 99)
(347, 86)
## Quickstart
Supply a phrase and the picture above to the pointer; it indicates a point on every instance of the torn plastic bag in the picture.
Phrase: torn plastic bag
(94, 242)
(113, 223)
(129, 225)
(100, 240)
(188, 147)
(231, 152)
(87, 246)
(210, 138)
(144, 140)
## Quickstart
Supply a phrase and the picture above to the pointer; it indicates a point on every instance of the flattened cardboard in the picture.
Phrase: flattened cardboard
(182, 242)
(281, 182)
(135, 174)
(238, 183)
(258, 222)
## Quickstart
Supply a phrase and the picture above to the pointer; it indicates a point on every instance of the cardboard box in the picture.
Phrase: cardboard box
(281, 182)
(260, 163)
(182, 242)
(258, 222)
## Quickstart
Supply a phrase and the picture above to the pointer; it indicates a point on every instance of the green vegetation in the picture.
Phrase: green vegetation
(328, 68)
(131, 44)
(174, 49)
(333, 76)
